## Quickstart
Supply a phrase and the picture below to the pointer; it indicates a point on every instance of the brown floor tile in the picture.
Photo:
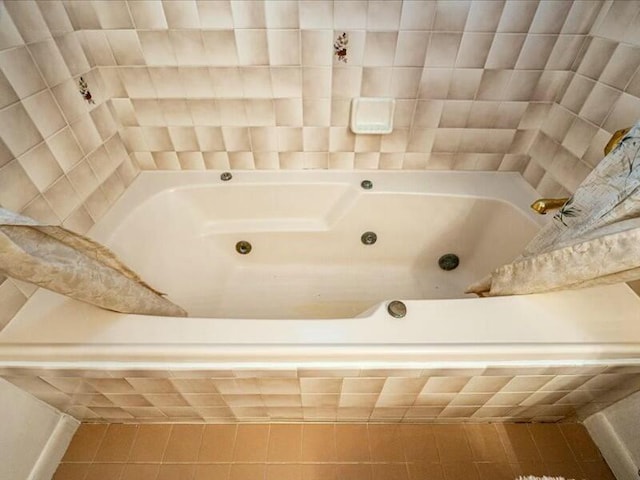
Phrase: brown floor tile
(352, 443)
(285, 443)
(526, 469)
(495, 471)
(361, 471)
(551, 443)
(251, 443)
(104, 471)
(518, 443)
(116, 444)
(569, 469)
(176, 471)
(597, 470)
(485, 443)
(390, 471)
(580, 442)
(419, 443)
(71, 471)
(319, 472)
(318, 443)
(85, 443)
(150, 443)
(184, 443)
(425, 471)
(331, 452)
(284, 472)
(452, 443)
(243, 471)
(385, 443)
(140, 471)
(460, 471)
(212, 472)
(217, 443)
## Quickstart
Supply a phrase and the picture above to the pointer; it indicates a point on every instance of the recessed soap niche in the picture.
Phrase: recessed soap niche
(372, 115)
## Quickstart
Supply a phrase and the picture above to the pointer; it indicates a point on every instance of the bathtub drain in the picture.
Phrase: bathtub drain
(397, 309)
(368, 238)
(449, 261)
(243, 247)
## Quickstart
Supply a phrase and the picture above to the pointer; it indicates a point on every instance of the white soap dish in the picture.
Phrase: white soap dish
(372, 115)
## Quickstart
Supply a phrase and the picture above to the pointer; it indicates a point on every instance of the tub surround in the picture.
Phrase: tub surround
(551, 357)
(443, 392)
(474, 87)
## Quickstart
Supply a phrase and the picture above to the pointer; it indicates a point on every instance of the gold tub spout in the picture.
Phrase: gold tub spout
(542, 205)
(617, 136)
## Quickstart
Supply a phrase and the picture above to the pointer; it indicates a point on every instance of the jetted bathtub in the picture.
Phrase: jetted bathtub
(310, 290)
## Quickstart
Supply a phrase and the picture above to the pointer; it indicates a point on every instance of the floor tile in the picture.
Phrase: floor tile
(425, 471)
(354, 471)
(218, 442)
(284, 472)
(104, 471)
(352, 443)
(116, 444)
(331, 451)
(71, 471)
(551, 443)
(176, 471)
(460, 471)
(452, 443)
(251, 443)
(140, 471)
(597, 470)
(390, 471)
(485, 443)
(568, 469)
(385, 443)
(85, 443)
(150, 443)
(184, 443)
(319, 471)
(419, 443)
(285, 443)
(518, 443)
(580, 442)
(240, 471)
(495, 471)
(212, 472)
(318, 443)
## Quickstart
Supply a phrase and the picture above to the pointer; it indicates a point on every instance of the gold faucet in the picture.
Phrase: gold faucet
(615, 139)
(542, 205)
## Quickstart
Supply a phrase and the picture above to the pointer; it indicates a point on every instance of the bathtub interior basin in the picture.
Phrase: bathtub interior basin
(307, 257)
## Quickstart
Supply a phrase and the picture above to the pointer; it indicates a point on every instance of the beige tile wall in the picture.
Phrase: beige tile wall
(540, 394)
(62, 160)
(602, 95)
(254, 84)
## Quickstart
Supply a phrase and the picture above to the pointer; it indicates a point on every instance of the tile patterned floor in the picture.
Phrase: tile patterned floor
(331, 452)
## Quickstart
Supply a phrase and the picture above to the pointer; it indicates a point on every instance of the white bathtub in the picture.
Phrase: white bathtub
(298, 329)
(310, 291)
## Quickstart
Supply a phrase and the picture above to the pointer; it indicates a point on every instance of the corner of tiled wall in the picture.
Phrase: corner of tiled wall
(62, 160)
(602, 95)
